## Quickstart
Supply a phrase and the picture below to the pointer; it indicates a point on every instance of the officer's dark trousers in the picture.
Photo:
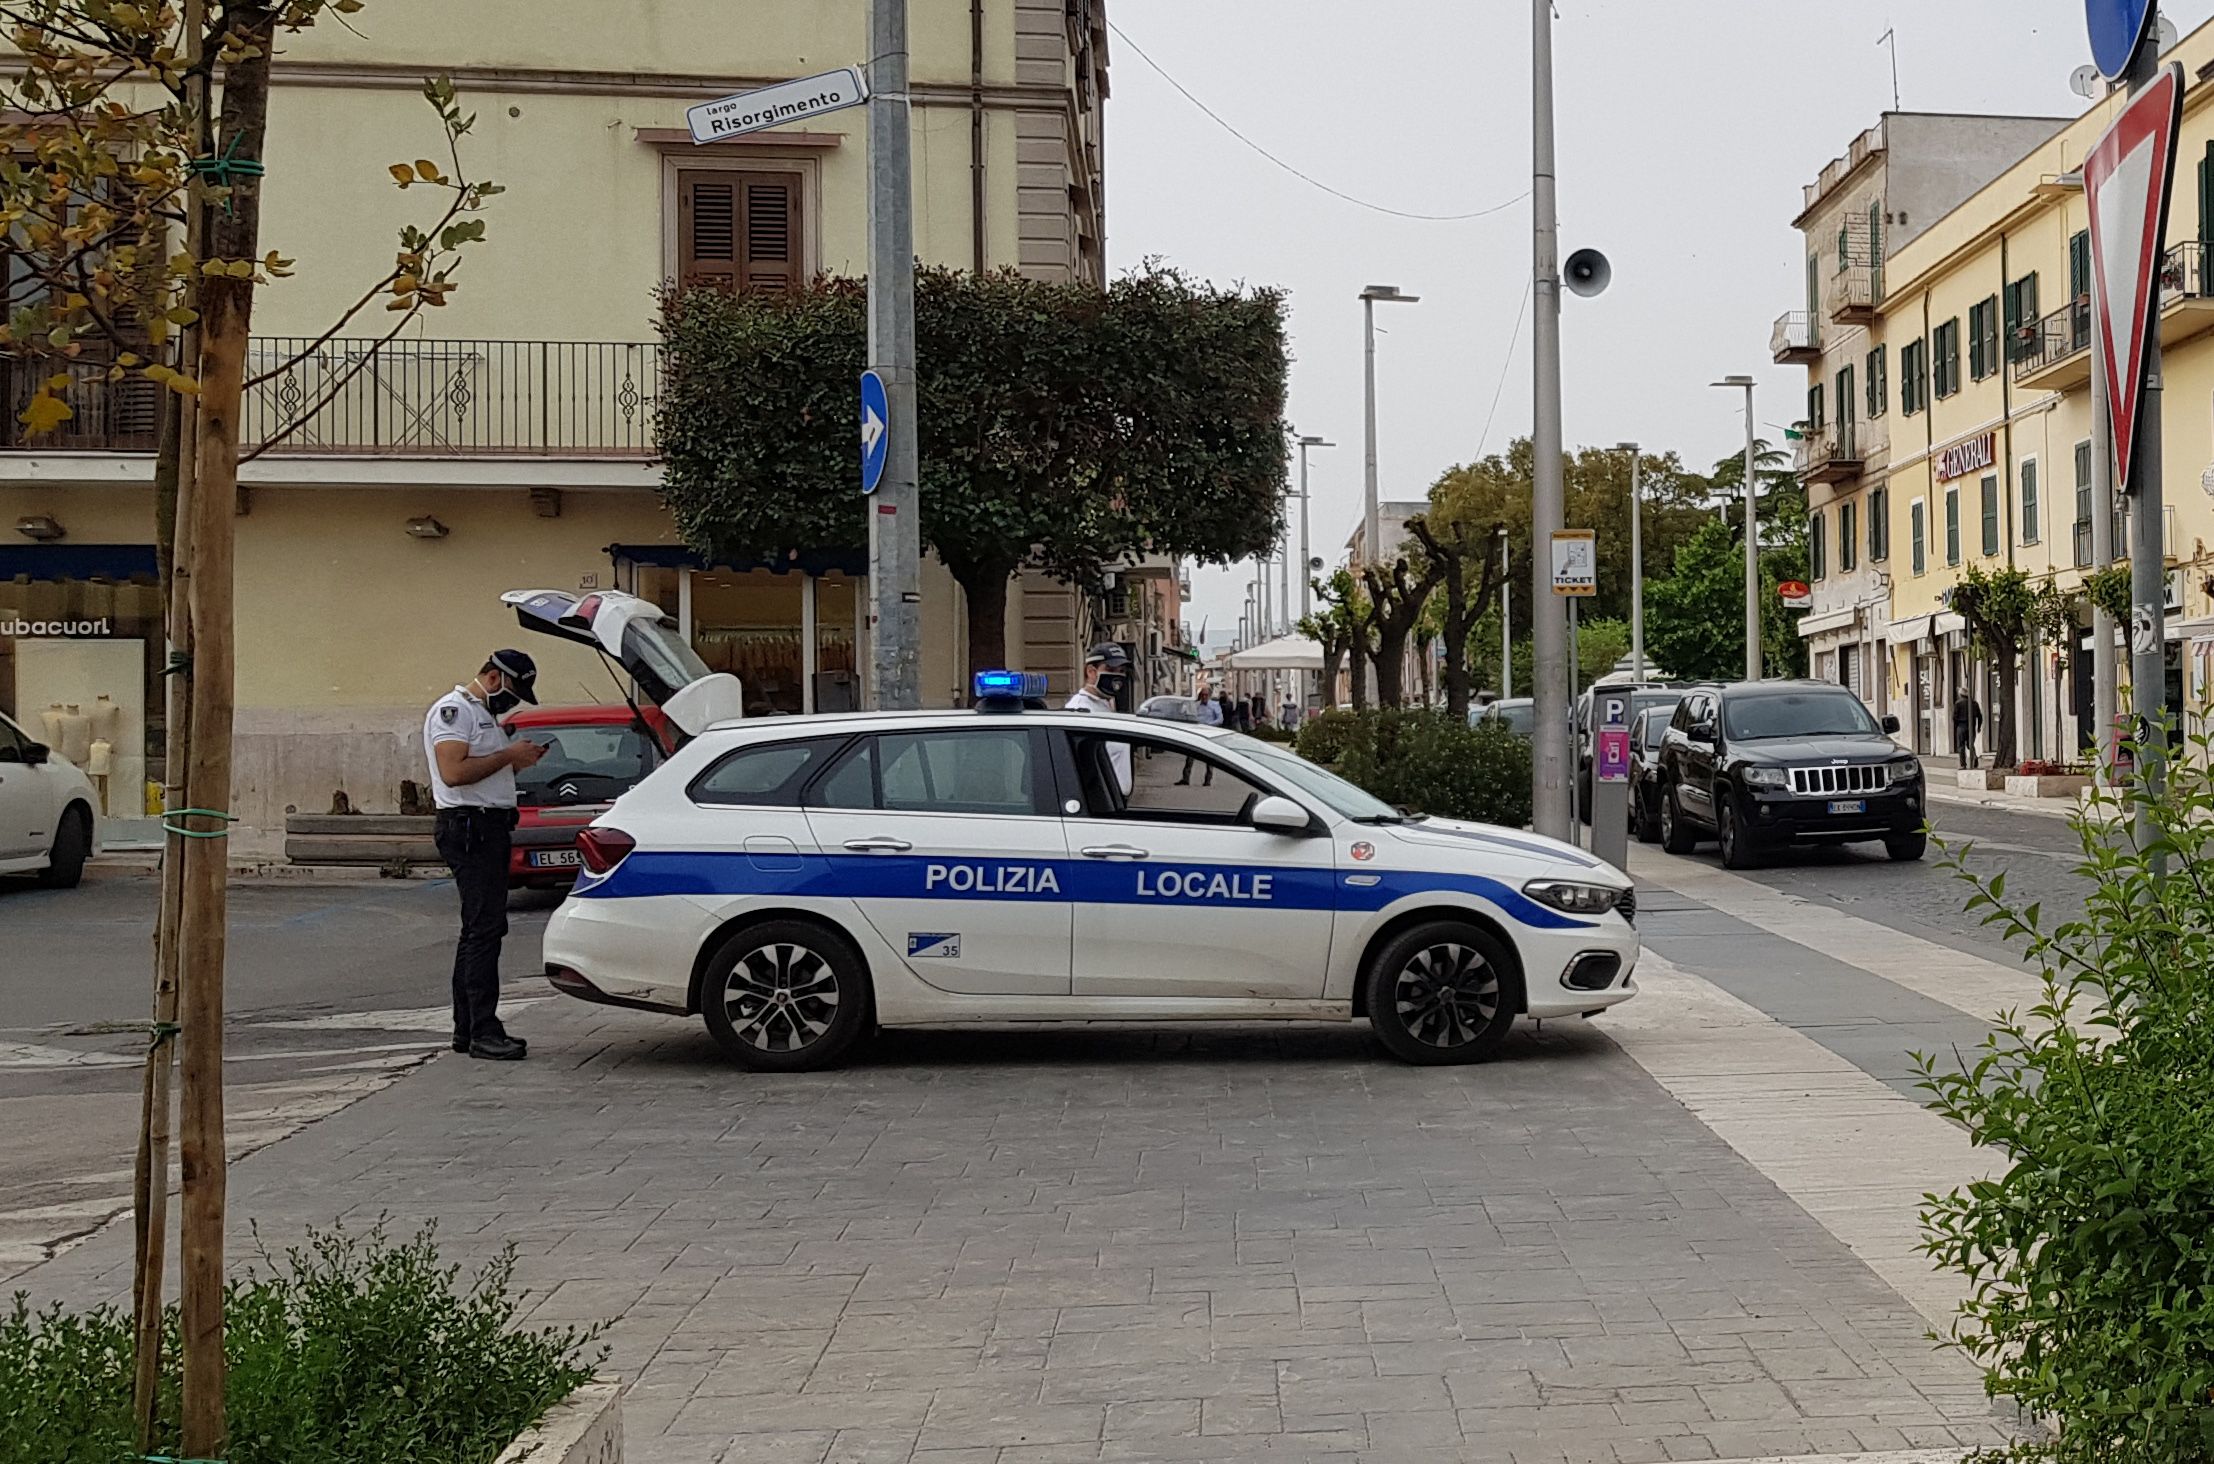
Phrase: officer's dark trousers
(474, 843)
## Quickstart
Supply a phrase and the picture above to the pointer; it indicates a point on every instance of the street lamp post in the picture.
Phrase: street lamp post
(1506, 614)
(1389, 294)
(1306, 553)
(1551, 770)
(1752, 533)
(1637, 569)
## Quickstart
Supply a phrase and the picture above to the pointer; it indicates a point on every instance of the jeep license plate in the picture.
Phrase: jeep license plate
(570, 859)
(1849, 805)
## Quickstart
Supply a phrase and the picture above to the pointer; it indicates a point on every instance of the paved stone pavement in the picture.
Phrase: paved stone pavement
(1087, 1245)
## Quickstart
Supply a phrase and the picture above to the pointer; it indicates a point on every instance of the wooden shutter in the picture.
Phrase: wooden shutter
(739, 231)
(2206, 196)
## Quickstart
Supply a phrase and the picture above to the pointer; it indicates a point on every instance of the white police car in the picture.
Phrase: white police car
(797, 882)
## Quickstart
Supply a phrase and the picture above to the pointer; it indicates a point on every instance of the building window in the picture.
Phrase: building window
(1952, 524)
(1914, 377)
(1945, 358)
(2029, 500)
(1815, 523)
(1814, 408)
(1848, 401)
(1848, 537)
(2021, 317)
(1990, 507)
(1983, 339)
(1814, 291)
(2079, 290)
(1879, 524)
(2083, 504)
(1918, 534)
(1879, 386)
(739, 231)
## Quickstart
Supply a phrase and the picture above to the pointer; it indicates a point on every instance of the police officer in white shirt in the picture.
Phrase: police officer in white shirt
(472, 772)
(1106, 675)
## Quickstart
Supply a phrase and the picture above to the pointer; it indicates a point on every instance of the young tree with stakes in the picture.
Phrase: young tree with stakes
(130, 184)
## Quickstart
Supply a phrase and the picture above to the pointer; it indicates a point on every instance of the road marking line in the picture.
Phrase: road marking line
(400, 1019)
(1848, 1149)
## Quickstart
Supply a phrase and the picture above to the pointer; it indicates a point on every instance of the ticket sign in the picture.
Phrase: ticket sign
(1575, 562)
(1611, 754)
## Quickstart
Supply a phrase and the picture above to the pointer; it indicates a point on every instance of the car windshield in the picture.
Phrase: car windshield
(1796, 714)
(1645, 701)
(583, 764)
(1342, 797)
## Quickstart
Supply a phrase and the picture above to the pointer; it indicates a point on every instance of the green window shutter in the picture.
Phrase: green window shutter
(1952, 525)
(1918, 534)
(2206, 196)
(1990, 506)
(1814, 285)
(1847, 402)
(1814, 543)
(1814, 408)
(2029, 501)
(1848, 537)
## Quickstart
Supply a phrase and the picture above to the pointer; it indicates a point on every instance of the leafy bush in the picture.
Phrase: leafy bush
(1323, 737)
(1274, 733)
(2091, 1258)
(350, 1350)
(1436, 763)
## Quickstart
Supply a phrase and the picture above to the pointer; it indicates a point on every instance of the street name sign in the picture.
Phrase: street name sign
(1575, 562)
(2117, 30)
(2126, 179)
(876, 430)
(773, 106)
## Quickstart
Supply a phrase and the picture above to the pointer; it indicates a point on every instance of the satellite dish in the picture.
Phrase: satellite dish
(2086, 82)
(2164, 35)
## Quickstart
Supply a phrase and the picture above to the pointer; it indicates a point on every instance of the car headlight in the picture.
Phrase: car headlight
(1764, 777)
(1572, 896)
(1905, 770)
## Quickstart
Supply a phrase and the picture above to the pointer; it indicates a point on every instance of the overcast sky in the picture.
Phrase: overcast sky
(1686, 129)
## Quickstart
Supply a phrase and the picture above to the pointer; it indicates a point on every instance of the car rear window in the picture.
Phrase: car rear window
(764, 775)
(591, 763)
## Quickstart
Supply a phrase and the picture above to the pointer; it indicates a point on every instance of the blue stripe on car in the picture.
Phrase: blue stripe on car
(1074, 881)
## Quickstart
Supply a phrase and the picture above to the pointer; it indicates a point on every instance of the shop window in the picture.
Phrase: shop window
(80, 666)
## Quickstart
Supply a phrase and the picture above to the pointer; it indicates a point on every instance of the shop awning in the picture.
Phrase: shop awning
(77, 561)
(1827, 620)
(1285, 653)
(1907, 632)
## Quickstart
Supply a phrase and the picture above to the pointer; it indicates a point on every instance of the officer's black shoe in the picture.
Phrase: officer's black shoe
(498, 1049)
(461, 1044)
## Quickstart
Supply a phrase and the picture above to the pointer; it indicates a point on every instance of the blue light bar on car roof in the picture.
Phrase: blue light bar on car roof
(1016, 685)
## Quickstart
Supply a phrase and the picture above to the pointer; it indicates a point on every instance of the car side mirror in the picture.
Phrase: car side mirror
(1703, 732)
(1891, 725)
(1281, 816)
(36, 754)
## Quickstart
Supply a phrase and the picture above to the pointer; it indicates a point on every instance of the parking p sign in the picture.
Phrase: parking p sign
(1611, 759)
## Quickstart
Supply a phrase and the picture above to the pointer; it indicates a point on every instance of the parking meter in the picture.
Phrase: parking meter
(1610, 777)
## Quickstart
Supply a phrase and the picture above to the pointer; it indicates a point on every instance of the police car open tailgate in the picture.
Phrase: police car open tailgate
(643, 640)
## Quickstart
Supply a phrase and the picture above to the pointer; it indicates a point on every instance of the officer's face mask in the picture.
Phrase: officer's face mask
(503, 701)
(1111, 684)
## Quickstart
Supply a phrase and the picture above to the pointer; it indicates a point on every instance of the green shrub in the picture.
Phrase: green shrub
(1323, 737)
(349, 1350)
(2091, 1257)
(1433, 762)
(1273, 733)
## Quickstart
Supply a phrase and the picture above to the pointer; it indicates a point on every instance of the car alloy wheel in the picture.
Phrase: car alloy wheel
(1445, 991)
(1446, 995)
(786, 995)
(781, 998)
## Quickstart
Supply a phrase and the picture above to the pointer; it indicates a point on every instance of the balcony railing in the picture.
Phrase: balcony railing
(1856, 295)
(1831, 454)
(2183, 274)
(411, 398)
(1796, 337)
(2045, 351)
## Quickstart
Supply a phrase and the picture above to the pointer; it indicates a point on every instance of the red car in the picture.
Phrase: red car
(594, 754)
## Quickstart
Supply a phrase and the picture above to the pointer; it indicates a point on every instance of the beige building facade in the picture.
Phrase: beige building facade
(506, 441)
(1962, 434)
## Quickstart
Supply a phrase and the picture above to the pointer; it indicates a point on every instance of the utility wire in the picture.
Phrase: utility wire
(1513, 340)
(1303, 177)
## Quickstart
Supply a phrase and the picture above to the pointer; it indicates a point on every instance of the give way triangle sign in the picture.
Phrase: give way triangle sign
(2126, 180)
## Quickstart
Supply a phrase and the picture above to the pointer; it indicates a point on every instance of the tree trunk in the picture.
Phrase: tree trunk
(1333, 660)
(2008, 666)
(1391, 665)
(984, 591)
(1358, 651)
(226, 319)
(1457, 626)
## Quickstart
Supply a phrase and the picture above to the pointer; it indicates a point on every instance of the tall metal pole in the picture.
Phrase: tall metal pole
(1752, 547)
(2105, 680)
(1306, 575)
(1369, 525)
(2147, 551)
(1506, 614)
(895, 537)
(1549, 771)
(1637, 568)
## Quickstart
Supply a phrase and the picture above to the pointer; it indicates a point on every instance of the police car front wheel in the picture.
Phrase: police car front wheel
(786, 996)
(1442, 992)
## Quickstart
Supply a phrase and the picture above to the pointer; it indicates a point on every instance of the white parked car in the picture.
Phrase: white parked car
(799, 882)
(49, 819)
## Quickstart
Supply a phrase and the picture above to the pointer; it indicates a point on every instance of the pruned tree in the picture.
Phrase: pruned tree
(2005, 610)
(1397, 591)
(1330, 632)
(1063, 427)
(131, 158)
(1458, 548)
(1345, 604)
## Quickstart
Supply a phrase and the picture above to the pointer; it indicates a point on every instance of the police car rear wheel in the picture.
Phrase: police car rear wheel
(786, 996)
(1442, 993)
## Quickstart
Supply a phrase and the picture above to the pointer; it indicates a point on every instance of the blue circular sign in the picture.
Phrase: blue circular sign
(876, 430)
(2117, 30)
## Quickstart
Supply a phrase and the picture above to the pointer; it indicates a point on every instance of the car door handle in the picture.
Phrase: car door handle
(881, 844)
(1113, 851)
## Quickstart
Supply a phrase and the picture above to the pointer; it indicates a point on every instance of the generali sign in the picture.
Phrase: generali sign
(1963, 458)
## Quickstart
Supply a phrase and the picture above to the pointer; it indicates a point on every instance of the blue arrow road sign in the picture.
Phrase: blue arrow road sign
(2117, 30)
(876, 430)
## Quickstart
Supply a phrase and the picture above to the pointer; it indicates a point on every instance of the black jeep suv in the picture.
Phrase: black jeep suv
(1760, 764)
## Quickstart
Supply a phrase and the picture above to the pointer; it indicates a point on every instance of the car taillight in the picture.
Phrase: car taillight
(603, 849)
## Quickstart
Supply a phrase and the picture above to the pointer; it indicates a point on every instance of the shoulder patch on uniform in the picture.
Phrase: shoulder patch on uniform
(447, 714)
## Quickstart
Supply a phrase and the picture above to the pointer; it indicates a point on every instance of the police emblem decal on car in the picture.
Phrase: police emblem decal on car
(1363, 851)
(934, 943)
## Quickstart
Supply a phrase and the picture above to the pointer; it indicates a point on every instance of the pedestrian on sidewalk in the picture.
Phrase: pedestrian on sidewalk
(1210, 715)
(473, 762)
(1967, 724)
